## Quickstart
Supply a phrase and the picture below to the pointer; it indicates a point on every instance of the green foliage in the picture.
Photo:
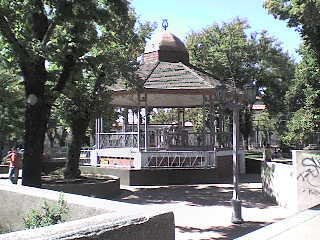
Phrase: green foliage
(230, 54)
(11, 105)
(301, 127)
(200, 118)
(47, 215)
(223, 50)
(164, 116)
(303, 98)
(303, 15)
(265, 123)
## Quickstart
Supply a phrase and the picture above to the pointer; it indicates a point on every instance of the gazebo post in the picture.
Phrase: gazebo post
(146, 124)
(97, 134)
(215, 123)
(138, 124)
(138, 127)
(99, 127)
(125, 120)
(204, 104)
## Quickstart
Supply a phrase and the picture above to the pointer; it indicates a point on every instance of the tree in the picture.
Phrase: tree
(223, 50)
(265, 125)
(303, 15)
(303, 95)
(87, 96)
(303, 99)
(227, 52)
(11, 106)
(41, 33)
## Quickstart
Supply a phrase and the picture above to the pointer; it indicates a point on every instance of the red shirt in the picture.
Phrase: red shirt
(14, 159)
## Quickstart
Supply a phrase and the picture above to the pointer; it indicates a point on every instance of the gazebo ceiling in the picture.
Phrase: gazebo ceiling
(166, 79)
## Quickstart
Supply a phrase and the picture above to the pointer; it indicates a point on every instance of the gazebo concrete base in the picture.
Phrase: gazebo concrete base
(167, 176)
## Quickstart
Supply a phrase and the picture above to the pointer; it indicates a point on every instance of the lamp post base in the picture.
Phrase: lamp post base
(236, 211)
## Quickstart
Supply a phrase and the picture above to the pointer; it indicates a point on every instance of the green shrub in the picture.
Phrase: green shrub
(47, 215)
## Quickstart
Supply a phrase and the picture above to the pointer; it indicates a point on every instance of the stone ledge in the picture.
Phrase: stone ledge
(109, 219)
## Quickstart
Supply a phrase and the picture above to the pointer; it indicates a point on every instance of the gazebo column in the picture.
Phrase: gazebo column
(204, 102)
(138, 126)
(215, 129)
(125, 119)
(181, 116)
(99, 129)
(138, 122)
(142, 100)
(146, 124)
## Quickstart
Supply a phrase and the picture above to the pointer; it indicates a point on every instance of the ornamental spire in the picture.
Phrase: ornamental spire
(165, 24)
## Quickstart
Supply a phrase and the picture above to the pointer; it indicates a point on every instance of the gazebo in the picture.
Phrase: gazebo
(166, 79)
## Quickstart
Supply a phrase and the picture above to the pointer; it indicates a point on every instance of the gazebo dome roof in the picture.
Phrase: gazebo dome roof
(165, 46)
(165, 41)
(165, 78)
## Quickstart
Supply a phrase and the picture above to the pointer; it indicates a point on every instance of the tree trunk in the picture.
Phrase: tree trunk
(36, 118)
(78, 131)
(51, 138)
(61, 136)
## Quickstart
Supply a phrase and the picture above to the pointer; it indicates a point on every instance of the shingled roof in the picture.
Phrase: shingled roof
(168, 79)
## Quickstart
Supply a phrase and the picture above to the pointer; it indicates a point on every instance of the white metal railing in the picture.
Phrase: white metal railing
(179, 159)
(118, 140)
(165, 140)
(85, 156)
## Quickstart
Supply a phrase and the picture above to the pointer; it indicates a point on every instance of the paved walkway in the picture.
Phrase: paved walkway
(203, 212)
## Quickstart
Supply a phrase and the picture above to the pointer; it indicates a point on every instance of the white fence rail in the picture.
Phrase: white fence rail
(179, 159)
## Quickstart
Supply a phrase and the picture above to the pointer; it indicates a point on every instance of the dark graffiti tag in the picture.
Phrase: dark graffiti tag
(311, 172)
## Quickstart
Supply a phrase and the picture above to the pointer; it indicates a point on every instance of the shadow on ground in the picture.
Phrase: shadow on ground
(231, 232)
(195, 195)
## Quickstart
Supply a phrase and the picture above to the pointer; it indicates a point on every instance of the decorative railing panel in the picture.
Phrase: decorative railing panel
(166, 140)
(179, 159)
(85, 157)
(118, 140)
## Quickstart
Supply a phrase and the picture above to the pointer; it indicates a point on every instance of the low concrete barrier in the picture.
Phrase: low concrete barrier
(4, 169)
(295, 186)
(88, 218)
(279, 183)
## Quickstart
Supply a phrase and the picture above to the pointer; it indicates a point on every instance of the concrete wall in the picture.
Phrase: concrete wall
(295, 186)
(279, 183)
(89, 218)
(4, 169)
(166, 176)
(307, 170)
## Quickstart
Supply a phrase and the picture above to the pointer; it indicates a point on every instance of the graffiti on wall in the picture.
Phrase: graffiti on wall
(310, 174)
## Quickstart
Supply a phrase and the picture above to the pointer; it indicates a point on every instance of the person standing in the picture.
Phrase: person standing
(15, 165)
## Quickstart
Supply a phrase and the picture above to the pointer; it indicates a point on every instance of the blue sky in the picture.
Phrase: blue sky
(185, 16)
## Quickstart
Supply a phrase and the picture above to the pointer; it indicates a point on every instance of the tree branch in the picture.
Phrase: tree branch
(49, 32)
(8, 34)
(68, 66)
(60, 6)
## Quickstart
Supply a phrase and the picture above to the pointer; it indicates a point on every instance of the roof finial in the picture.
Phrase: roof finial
(165, 24)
